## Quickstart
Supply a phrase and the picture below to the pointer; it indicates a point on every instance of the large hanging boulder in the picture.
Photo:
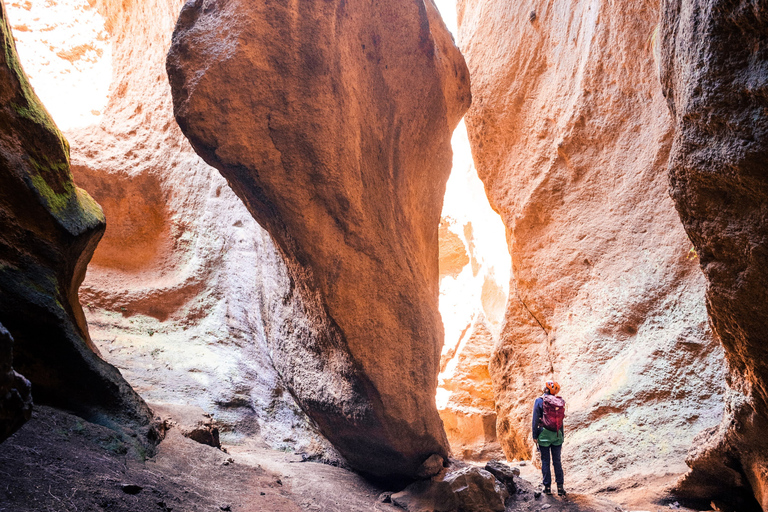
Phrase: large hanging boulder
(332, 121)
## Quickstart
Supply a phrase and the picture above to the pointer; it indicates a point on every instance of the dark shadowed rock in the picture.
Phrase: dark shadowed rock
(715, 78)
(504, 474)
(15, 393)
(332, 121)
(48, 231)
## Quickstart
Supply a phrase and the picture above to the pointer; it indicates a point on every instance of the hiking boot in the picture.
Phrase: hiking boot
(547, 489)
(560, 490)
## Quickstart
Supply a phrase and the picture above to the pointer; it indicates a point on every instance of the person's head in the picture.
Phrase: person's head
(551, 388)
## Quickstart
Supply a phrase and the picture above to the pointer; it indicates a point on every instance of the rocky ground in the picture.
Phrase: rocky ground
(59, 462)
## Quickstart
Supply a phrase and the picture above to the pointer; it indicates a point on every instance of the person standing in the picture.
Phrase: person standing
(548, 415)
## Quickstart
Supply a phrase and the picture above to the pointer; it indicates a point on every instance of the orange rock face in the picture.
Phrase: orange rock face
(48, 231)
(474, 284)
(333, 123)
(571, 134)
(714, 56)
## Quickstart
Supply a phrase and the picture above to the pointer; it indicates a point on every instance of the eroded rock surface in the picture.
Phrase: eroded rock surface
(184, 280)
(335, 132)
(571, 133)
(15, 392)
(48, 231)
(714, 58)
(469, 415)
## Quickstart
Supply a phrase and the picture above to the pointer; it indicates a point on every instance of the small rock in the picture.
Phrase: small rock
(131, 488)
(504, 474)
(263, 493)
(225, 508)
(544, 507)
(385, 497)
(425, 496)
(430, 467)
(674, 505)
(532, 16)
(523, 463)
(229, 461)
(536, 494)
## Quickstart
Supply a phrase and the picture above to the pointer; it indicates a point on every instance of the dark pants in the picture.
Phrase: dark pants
(545, 458)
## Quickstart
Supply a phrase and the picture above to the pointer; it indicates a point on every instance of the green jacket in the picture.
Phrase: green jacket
(549, 438)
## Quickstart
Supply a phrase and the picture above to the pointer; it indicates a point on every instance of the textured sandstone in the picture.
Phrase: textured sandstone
(182, 287)
(48, 231)
(15, 396)
(714, 57)
(469, 415)
(332, 122)
(571, 134)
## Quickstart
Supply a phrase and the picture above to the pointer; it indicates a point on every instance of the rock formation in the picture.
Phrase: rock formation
(474, 285)
(183, 282)
(48, 231)
(570, 134)
(332, 122)
(15, 396)
(469, 416)
(714, 57)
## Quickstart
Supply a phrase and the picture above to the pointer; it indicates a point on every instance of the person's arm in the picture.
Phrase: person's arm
(538, 412)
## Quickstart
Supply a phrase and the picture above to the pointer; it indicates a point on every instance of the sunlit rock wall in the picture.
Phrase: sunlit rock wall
(571, 134)
(474, 284)
(714, 59)
(332, 121)
(179, 288)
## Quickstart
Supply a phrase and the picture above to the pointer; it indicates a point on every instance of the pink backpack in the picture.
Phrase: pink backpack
(554, 412)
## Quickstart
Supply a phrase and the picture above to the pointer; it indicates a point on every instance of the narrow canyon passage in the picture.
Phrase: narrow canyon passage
(285, 250)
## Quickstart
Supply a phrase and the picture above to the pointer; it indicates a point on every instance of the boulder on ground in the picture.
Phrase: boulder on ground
(469, 489)
(192, 422)
(504, 474)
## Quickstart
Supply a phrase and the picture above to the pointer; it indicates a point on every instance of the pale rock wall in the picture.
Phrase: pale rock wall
(180, 288)
(570, 134)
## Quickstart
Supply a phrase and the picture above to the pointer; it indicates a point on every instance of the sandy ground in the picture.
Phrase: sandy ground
(59, 462)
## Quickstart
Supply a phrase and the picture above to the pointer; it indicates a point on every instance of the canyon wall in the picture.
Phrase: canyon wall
(571, 134)
(333, 124)
(48, 231)
(474, 285)
(180, 288)
(714, 58)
